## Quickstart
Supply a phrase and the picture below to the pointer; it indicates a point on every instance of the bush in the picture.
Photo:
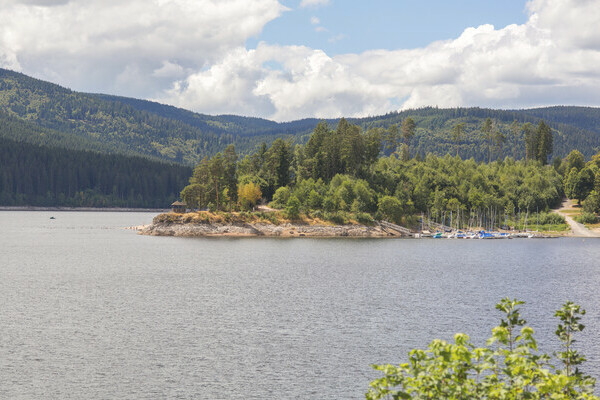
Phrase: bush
(329, 204)
(550, 219)
(391, 209)
(281, 197)
(364, 218)
(317, 214)
(586, 218)
(592, 202)
(271, 217)
(292, 209)
(336, 217)
(509, 367)
(314, 200)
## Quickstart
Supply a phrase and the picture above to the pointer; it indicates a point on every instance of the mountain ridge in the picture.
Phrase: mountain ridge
(44, 113)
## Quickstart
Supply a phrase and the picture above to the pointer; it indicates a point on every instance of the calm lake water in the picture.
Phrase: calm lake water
(90, 310)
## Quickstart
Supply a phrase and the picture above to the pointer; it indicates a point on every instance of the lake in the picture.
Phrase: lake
(91, 310)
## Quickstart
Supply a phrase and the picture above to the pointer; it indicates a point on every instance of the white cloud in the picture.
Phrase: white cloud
(192, 54)
(551, 59)
(169, 70)
(135, 47)
(313, 3)
(309, 83)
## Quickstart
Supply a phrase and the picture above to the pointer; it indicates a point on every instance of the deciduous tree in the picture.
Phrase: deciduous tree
(248, 195)
(391, 209)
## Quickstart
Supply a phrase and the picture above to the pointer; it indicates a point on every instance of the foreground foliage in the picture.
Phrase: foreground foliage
(508, 367)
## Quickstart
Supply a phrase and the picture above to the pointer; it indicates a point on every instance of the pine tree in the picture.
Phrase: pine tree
(545, 142)
(515, 129)
(487, 129)
(456, 134)
(408, 131)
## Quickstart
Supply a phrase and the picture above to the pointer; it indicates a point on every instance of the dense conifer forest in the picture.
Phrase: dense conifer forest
(33, 175)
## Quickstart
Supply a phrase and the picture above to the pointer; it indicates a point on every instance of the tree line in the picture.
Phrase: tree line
(348, 172)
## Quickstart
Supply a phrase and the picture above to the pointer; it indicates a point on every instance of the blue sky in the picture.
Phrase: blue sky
(355, 26)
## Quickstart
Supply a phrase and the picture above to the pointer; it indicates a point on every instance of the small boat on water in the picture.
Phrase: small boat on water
(464, 235)
(52, 218)
(493, 235)
(526, 235)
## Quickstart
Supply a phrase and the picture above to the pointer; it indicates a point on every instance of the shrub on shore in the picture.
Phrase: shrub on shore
(586, 218)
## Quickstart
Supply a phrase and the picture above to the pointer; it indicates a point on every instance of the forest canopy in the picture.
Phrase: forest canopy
(346, 171)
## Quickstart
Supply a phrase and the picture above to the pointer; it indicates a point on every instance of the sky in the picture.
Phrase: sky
(291, 59)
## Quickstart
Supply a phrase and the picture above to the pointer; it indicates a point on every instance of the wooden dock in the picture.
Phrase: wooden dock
(400, 229)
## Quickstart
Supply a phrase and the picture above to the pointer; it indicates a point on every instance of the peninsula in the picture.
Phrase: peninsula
(350, 182)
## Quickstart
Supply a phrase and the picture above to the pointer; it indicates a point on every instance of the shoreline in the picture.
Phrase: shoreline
(203, 224)
(84, 209)
(287, 230)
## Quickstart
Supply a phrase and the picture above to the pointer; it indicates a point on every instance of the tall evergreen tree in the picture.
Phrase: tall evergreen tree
(456, 134)
(499, 139)
(391, 138)
(216, 168)
(352, 152)
(545, 142)
(487, 129)
(230, 166)
(278, 164)
(531, 143)
(408, 131)
(515, 129)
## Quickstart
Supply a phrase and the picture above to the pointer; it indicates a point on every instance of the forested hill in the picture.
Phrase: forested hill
(43, 113)
(434, 126)
(581, 117)
(53, 115)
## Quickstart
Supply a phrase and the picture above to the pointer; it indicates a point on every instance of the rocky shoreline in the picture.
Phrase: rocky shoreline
(194, 229)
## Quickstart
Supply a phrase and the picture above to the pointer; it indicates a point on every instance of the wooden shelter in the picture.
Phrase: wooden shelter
(179, 207)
